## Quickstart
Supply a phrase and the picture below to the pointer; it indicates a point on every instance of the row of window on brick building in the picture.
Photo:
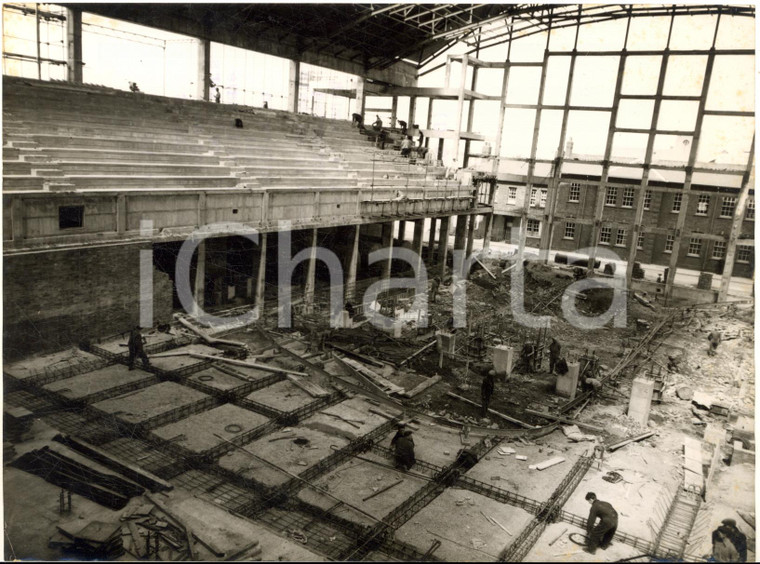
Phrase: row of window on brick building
(538, 198)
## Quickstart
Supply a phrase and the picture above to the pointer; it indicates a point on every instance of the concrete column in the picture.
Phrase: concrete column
(204, 70)
(294, 84)
(419, 227)
(431, 240)
(503, 359)
(353, 264)
(387, 243)
(471, 233)
(360, 97)
(443, 245)
(459, 241)
(489, 229)
(412, 111)
(567, 384)
(394, 110)
(642, 391)
(311, 267)
(199, 291)
(401, 232)
(74, 44)
(261, 274)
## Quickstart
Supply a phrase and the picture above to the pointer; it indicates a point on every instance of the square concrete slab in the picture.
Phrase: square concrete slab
(217, 380)
(143, 405)
(355, 409)
(281, 449)
(198, 432)
(99, 381)
(283, 396)
(170, 363)
(516, 476)
(456, 519)
(565, 550)
(118, 344)
(36, 365)
(355, 480)
(432, 443)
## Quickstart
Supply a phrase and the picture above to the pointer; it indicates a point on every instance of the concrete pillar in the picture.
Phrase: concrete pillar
(199, 291)
(401, 232)
(261, 274)
(204, 70)
(387, 243)
(503, 359)
(431, 240)
(488, 229)
(412, 111)
(360, 97)
(419, 227)
(74, 44)
(459, 241)
(471, 234)
(567, 384)
(353, 264)
(311, 267)
(294, 84)
(443, 245)
(641, 400)
(446, 341)
(394, 110)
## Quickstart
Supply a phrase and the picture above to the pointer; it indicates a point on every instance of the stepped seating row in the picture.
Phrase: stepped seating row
(59, 136)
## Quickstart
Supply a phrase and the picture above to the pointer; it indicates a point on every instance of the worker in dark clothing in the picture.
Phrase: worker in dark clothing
(528, 355)
(349, 307)
(357, 120)
(400, 428)
(554, 351)
(737, 538)
(135, 347)
(402, 125)
(434, 284)
(714, 338)
(377, 125)
(723, 550)
(405, 451)
(600, 534)
(486, 391)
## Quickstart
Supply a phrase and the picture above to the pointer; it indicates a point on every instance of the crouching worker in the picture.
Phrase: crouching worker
(404, 450)
(600, 534)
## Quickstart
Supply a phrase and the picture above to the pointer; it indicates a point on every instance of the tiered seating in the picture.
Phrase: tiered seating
(60, 136)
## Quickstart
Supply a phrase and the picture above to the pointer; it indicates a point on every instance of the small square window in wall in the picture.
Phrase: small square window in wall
(750, 209)
(605, 234)
(727, 206)
(610, 198)
(719, 250)
(703, 204)
(620, 237)
(669, 244)
(743, 253)
(569, 230)
(640, 241)
(647, 199)
(70, 217)
(542, 200)
(533, 192)
(575, 192)
(533, 228)
(512, 195)
(677, 203)
(628, 195)
(695, 247)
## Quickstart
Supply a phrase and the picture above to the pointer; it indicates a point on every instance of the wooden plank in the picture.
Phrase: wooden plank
(361, 357)
(309, 387)
(256, 365)
(419, 388)
(505, 417)
(485, 268)
(419, 352)
(181, 524)
(547, 463)
(622, 443)
(210, 340)
(361, 377)
(380, 381)
(567, 420)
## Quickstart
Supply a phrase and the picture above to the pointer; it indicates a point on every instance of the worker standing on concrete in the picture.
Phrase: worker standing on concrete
(400, 428)
(714, 338)
(486, 391)
(135, 347)
(405, 451)
(732, 538)
(434, 284)
(554, 351)
(600, 535)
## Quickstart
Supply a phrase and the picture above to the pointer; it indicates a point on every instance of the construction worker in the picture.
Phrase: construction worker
(554, 351)
(732, 538)
(434, 284)
(600, 534)
(486, 391)
(714, 338)
(405, 450)
(528, 355)
(135, 347)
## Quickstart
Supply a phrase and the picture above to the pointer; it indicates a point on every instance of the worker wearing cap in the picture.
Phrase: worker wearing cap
(600, 534)
(405, 450)
(726, 537)
(486, 391)
(554, 351)
(135, 348)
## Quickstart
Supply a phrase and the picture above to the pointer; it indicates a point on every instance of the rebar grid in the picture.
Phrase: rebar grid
(109, 393)
(28, 400)
(95, 431)
(216, 489)
(144, 454)
(680, 517)
(418, 464)
(237, 393)
(260, 408)
(49, 374)
(329, 540)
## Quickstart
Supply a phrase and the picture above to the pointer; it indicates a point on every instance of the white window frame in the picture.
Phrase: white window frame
(575, 189)
(750, 212)
(648, 199)
(610, 194)
(723, 206)
(529, 232)
(703, 199)
(740, 249)
(605, 233)
(721, 246)
(533, 194)
(640, 241)
(511, 194)
(695, 247)
(543, 194)
(629, 195)
(617, 237)
(669, 241)
(677, 202)
(569, 225)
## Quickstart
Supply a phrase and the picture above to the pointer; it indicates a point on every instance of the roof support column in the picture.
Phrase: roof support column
(294, 85)
(460, 110)
(419, 228)
(460, 242)
(360, 96)
(353, 264)
(470, 234)
(431, 241)
(199, 290)
(311, 268)
(387, 247)
(74, 44)
(443, 245)
(261, 274)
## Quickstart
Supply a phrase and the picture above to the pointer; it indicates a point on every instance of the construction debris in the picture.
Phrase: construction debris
(94, 541)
